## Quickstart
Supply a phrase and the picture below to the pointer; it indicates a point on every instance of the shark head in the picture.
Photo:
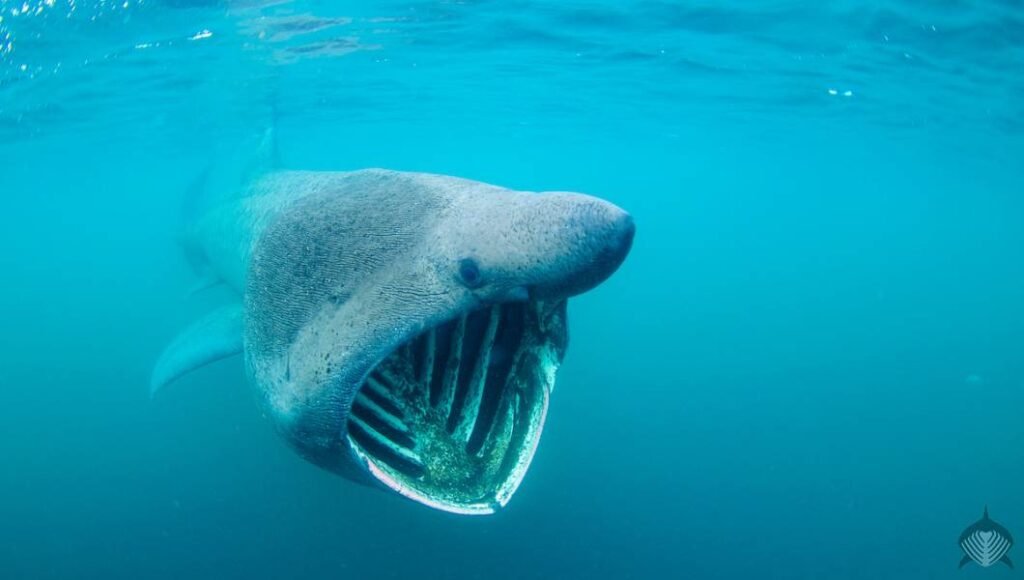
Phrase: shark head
(404, 330)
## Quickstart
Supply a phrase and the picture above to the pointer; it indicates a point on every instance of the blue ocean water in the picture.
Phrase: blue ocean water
(810, 366)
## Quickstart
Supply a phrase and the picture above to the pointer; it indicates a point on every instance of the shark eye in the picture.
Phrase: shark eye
(469, 272)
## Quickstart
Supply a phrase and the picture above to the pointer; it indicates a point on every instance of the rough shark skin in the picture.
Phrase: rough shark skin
(403, 329)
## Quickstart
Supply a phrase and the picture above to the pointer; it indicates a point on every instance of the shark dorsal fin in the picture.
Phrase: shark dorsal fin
(265, 158)
(235, 165)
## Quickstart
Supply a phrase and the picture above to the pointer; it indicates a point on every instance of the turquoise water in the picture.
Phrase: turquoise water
(809, 366)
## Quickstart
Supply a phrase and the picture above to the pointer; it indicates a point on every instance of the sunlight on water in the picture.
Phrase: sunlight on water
(895, 63)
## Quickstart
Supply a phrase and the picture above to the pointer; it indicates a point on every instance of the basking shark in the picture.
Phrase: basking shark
(402, 330)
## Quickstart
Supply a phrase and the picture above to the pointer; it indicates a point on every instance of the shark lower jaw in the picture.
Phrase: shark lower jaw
(451, 419)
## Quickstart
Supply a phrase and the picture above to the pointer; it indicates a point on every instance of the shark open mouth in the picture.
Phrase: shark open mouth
(452, 418)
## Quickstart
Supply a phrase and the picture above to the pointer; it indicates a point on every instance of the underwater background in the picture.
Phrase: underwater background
(811, 365)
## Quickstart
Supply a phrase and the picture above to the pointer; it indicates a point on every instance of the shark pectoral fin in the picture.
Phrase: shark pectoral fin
(205, 283)
(1006, 560)
(216, 336)
(964, 561)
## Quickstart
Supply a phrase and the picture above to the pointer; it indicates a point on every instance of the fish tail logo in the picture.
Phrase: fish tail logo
(986, 543)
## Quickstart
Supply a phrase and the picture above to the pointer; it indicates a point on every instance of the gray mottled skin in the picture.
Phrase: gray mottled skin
(338, 269)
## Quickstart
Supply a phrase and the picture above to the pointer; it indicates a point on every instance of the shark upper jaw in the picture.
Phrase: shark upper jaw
(451, 418)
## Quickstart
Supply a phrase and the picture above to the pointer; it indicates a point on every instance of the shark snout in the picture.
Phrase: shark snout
(613, 238)
(595, 238)
(619, 239)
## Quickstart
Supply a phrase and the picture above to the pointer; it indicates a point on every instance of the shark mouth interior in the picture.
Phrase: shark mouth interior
(451, 418)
